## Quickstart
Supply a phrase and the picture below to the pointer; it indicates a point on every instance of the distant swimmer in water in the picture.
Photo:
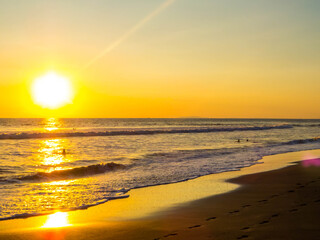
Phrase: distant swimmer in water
(238, 140)
(64, 152)
(247, 140)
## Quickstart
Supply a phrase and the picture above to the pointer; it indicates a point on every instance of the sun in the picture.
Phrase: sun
(52, 90)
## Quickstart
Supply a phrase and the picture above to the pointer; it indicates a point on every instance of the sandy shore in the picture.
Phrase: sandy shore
(261, 202)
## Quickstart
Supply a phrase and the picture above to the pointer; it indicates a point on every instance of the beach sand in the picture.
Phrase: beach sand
(278, 199)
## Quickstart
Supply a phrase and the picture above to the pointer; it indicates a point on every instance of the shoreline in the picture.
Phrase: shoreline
(150, 204)
(85, 207)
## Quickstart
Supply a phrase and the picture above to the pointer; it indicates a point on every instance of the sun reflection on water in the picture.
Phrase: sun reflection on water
(57, 220)
(52, 152)
(51, 124)
(60, 183)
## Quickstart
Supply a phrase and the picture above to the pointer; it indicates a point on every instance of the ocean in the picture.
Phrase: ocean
(68, 164)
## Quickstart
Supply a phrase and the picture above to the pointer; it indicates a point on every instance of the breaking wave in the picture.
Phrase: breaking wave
(71, 173)
(26, 135)
(301, 141)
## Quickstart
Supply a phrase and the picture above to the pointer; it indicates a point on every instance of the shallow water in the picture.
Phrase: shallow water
(49, 164)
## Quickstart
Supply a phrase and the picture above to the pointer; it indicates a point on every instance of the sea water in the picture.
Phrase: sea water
(66, 164)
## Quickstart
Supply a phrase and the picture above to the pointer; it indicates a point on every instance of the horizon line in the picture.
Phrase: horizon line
(261, 118)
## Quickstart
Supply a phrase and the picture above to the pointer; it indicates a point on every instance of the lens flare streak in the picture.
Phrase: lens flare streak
(131, 31)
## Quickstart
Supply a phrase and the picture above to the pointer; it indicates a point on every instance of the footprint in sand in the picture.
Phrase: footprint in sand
(264, 222)
(275, 195)
(243, 236)
(293, 210)
(302, 205)
(170, 235)
(275, 215)
(262, 201)
(210, 218)
(245, 228)
(313, 181)
(235, 211)
(247, 205)
(195, 226)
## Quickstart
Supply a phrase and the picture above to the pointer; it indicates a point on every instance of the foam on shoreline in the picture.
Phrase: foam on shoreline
(210, 190)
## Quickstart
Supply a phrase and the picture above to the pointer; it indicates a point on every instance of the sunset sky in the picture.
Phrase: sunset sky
(157, 58)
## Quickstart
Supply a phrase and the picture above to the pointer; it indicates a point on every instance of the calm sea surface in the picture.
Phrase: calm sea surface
(48, 164)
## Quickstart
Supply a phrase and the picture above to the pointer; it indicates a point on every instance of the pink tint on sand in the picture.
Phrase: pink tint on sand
(310, 161)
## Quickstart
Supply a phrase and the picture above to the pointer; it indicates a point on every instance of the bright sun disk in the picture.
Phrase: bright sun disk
(52, 91)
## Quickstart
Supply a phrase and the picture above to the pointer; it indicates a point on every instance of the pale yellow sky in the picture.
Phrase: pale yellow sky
(221, 58)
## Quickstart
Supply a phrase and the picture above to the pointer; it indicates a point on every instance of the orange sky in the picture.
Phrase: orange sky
(255, 59)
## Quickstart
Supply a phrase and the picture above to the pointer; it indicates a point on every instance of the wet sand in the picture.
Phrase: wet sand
(277, 204)
(280, 204)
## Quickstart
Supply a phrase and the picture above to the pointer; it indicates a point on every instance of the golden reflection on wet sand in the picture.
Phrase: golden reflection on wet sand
(55, 225)
(57, 220)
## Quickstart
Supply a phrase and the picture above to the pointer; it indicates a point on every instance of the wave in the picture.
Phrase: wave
(25, 135)
(145, 160)
(301, 141)
(306, 125)
(194, 163)
(71, 173)
(179, 155)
